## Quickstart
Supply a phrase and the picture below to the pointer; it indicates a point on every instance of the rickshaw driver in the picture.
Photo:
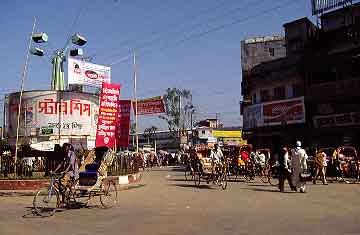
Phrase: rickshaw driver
(70, 172)
(216, 156)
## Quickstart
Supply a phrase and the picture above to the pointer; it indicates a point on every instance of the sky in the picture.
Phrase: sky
(185, 44)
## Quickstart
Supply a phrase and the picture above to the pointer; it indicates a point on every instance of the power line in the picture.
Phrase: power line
(153, 33)
(217, 28)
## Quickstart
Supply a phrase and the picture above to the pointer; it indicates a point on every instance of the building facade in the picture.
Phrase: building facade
(310, 93)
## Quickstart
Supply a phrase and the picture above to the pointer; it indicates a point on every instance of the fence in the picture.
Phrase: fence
(39, 167)
(124, 163)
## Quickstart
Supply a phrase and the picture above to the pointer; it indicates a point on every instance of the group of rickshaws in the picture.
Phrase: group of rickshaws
(242, 163)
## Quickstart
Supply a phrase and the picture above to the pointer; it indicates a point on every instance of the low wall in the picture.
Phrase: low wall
(37, 184)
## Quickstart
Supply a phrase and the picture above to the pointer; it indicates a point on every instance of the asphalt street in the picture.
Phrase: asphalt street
(167, 204)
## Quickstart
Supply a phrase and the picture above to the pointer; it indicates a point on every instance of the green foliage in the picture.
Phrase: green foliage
(178, 103)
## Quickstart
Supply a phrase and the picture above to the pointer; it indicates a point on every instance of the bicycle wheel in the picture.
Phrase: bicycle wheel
(274, 177)
(223, 180)
(197, 178)
(108, 196)
(46, 201)
(264, 175)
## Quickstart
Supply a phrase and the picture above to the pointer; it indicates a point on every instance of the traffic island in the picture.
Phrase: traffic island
(21, 187)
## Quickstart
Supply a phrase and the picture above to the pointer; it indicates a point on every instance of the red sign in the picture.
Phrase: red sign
(150, 106)
(284, 112)
(123, 128)
(108, 115)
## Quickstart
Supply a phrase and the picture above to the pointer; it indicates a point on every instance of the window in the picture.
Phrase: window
(279, 93)
(265, 95)
(298, 90)
(254, 98)
(203, 132)
(272, 51)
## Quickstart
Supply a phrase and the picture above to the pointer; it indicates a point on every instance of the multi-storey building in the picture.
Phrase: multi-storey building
(310, 92)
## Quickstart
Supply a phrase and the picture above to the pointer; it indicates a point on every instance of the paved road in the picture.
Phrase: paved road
(169, 205)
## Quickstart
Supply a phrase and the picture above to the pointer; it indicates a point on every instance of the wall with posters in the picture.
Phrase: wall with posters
(289, 111)
(85, 73)
(53, 115)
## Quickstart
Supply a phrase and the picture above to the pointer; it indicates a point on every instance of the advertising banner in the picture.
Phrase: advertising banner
(53, 113)
(334, 120)
(282, 112)
(252, 116)
(290, 111)
(85, 73)
(108, 115)
(152, 105)
(123, 128)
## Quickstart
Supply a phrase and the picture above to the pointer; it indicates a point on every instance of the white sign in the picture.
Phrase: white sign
(85, 73)
(53, 113)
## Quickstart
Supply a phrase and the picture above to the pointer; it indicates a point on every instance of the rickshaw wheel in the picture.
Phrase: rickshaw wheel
(46, 202)
(108, 196)
(197, 178)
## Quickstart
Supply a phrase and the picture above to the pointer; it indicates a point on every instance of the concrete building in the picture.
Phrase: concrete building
(310, 93)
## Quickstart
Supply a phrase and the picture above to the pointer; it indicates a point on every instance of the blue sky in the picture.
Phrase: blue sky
(172, 46)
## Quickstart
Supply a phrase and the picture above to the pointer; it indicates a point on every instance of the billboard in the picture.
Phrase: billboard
(336, 120)
(108, 115)
(123, 128)
(252, 116)
(289, 111)
(148, 106)
(52, 114)
(320, 6)
(85, 73)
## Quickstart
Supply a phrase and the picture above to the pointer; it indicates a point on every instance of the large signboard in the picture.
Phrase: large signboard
(289, 111)
(85, 73)
(335, 120)
(282, 112)
(123, 129)
(320, 6)
(252, 116)
(52, 113)
(152, 105)
(108, 115)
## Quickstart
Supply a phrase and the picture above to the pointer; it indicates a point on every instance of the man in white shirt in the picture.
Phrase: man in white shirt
(216, 156)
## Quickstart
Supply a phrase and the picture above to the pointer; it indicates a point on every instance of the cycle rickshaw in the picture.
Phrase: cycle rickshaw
(203, 170)
(93, 181)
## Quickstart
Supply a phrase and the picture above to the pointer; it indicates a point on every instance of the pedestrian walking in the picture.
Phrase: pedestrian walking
(285, 169)
(320, 166)
(299, 166)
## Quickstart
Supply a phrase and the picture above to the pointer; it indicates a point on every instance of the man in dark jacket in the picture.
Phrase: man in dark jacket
(284, 169)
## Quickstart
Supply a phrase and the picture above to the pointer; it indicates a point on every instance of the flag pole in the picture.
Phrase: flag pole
(21, 94)
(136, 105)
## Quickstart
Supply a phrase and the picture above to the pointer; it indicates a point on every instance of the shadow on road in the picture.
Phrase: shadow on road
(260, 185)
(267, 190)
(204, 186)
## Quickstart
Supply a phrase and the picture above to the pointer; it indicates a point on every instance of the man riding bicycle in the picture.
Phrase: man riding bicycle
(69, 164)
(216, 157)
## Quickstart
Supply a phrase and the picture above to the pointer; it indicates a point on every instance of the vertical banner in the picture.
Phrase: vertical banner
(123, 127)
(108, 115)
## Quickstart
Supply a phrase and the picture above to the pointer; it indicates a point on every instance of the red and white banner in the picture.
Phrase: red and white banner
(108, 115)
(123, 128)
(280, 112)
(152, 105)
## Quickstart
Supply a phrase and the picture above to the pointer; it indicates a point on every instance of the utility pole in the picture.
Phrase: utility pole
(21, 94)
(136, 105)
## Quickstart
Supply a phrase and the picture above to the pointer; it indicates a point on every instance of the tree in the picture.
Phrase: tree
(149, 133)
(178, 103)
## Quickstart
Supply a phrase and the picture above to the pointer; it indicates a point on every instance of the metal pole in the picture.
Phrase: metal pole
(21, 94)
(136, 105)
